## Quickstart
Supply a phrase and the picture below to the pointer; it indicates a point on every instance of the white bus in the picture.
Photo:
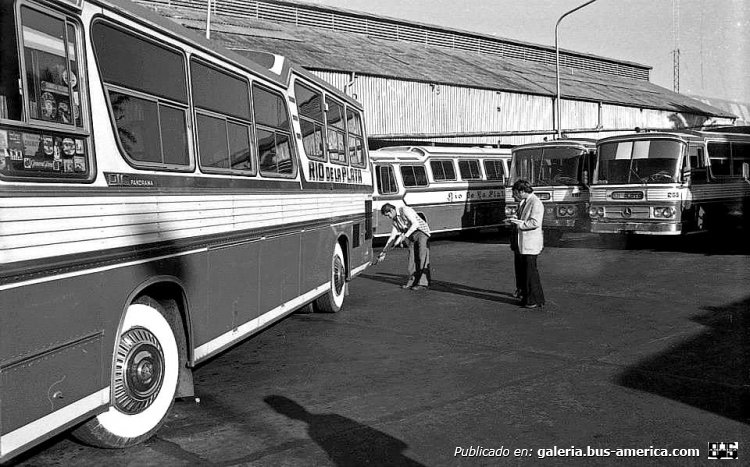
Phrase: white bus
(162, 199)
(670, 183)
(559, 172)
(453, 189)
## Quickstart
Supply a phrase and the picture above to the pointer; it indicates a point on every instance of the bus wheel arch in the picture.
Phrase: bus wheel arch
(144, 379)
(333, 299)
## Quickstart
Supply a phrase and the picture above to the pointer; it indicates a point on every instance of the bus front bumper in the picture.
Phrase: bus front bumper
(642, 228)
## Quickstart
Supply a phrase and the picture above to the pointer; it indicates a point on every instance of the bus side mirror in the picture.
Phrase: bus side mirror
(745, 170)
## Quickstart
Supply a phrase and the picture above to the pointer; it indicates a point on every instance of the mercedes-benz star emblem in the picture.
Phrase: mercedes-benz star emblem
(627, 212)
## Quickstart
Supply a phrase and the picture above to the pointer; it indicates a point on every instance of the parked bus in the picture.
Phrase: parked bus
(670, 183)
(162, 199)
(451, 188)
(559, 172)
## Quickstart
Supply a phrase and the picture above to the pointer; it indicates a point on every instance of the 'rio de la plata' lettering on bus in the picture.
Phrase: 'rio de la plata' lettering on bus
(320, 172)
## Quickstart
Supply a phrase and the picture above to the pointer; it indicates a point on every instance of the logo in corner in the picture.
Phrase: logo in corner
(723, 450)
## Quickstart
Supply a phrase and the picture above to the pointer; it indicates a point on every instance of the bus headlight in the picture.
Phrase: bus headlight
(572, 210)
(664, 212)
(595, 211)
(510, 210)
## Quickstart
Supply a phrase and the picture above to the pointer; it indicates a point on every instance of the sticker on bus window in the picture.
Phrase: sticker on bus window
(31, 144)
(49, 106)
(68, 165)
(48, 145)
(79, 146)
(79, 163)
(69, 146)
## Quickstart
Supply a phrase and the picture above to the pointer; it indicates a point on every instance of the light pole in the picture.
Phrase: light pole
(208, 21)
(558, 131)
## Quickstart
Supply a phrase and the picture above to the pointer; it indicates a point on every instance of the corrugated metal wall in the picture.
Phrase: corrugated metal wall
(397, 107)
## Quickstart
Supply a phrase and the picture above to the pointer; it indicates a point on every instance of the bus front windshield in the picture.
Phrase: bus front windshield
(548, 165)
(642, 161)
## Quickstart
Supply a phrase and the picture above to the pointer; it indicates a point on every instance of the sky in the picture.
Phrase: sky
(713, 36)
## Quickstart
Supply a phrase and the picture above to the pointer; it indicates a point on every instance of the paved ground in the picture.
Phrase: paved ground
(644, 345)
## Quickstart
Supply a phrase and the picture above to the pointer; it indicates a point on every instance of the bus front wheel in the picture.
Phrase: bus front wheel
(143, 383)
(333, 300)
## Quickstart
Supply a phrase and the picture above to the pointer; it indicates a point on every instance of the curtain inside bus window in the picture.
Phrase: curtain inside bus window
(51, 71)
(10, 99)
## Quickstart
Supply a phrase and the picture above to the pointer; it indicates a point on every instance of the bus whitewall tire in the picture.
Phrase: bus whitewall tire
(333, 300)
(143, 382)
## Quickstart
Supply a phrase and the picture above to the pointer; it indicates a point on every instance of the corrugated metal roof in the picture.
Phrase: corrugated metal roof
(324, 50)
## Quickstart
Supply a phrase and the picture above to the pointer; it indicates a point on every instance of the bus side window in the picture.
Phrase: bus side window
(740, 155)
(494, 169)
(149, 111)
(223, 119)
(355, 137)
(697, 169)
(10, 98)
(273, 134)
(719, 154)
(414, 175)
(312, 120)
(336, 132)
(386, 180)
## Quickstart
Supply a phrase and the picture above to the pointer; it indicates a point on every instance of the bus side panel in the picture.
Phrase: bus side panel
(50, 347)
(279, 261)
(317, 251)
(234, 287)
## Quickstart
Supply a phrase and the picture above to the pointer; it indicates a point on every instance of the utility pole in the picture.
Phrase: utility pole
(676, 40)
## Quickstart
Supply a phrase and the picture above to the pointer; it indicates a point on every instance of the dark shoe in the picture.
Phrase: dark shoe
(419, 287)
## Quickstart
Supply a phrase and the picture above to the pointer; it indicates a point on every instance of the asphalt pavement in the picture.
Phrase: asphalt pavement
(642, 345)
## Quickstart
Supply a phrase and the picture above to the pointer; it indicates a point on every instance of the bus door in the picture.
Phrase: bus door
(387, 190)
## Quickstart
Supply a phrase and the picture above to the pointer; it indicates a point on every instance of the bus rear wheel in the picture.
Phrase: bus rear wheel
(333, 300)
(143, 383)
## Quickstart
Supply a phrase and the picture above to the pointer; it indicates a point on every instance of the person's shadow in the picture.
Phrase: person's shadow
(347, 443)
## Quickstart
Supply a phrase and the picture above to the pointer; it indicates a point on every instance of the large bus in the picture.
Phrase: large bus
(670, 183)
(452, 188)
(161, 199)
(559, 171)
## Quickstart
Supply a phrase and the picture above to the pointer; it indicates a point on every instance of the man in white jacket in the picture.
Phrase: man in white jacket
(530, 241)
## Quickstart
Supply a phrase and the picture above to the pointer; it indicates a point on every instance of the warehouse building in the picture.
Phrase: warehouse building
(426, 84)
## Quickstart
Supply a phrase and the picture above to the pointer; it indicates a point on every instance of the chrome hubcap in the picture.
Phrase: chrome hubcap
(339, 277)
(138, 372)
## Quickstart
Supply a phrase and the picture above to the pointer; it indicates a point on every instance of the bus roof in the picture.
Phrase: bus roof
(583, 143)
(450, 151)
(274, 68)
(684, 135)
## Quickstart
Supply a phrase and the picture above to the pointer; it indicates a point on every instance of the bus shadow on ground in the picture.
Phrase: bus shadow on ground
(345, 441)
(449, 287)
(710, 372)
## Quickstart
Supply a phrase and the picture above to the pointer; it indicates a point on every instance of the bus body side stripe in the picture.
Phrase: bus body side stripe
(240, 332)
(34, 430)
(13, 285)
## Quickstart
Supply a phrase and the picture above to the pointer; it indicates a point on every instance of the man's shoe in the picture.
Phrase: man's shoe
(531, 305)
(518, 293)
(419, 287)
(406, 286)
